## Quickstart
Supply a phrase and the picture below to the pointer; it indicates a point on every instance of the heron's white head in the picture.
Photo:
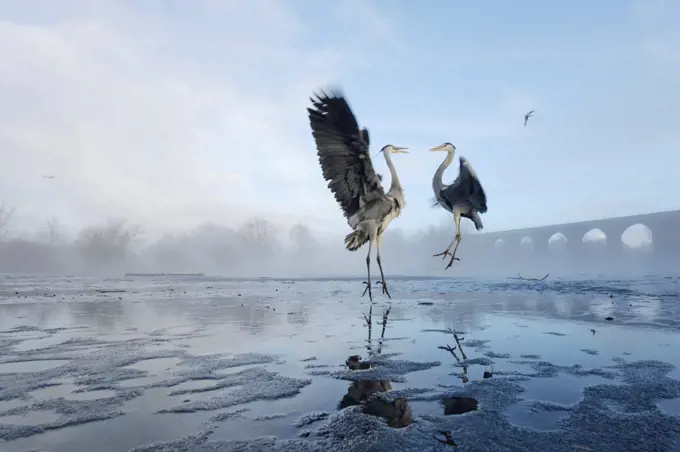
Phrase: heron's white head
(448, 147)
(392, 149)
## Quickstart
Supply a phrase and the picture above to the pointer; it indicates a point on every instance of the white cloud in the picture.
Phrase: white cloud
(169, 118)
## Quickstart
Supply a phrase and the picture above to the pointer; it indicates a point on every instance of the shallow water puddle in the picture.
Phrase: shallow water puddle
(66, 390)
(178, 330)
(154, 400)
(10, 404)
(670, 406)
(31, 366)
(192, 385)
(564, 389)
(156, 366)
(35, 343)
(243, 428)
(26, 335)
(141, 381)
(227, 371)
(523, 415)
(114, 435)
(34, 417)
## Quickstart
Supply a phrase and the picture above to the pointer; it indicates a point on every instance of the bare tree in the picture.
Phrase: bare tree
(170, 253)
(219, 244)
(5, 216)
(259, 235)
(51, 233)
(109, 243)
(302, 238)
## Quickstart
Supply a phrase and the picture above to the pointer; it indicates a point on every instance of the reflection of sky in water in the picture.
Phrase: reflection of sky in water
(300, 321)
(562, 306)
(647, 309)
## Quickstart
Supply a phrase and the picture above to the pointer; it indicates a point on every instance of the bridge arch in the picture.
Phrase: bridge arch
(527, 243)
(499, 244)
(558, 242)
(638, 237)
(595, 238)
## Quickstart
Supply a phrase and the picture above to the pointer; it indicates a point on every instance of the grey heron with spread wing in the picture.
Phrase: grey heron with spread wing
(465, 197)
(343, 151)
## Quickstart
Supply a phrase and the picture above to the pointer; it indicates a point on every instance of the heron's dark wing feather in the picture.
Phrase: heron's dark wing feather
(343, 153)
(477, 196)
(466, 189)
(366, 137)
(472, 215)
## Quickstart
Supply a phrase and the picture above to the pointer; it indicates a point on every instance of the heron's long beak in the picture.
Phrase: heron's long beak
(441, 147)
(400, 150)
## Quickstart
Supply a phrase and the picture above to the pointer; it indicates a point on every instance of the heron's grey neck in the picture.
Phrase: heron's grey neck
(437, 180)
(395, 186)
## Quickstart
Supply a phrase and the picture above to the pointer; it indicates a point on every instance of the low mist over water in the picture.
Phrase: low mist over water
(260, 247)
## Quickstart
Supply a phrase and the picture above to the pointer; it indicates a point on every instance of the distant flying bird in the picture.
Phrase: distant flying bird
(465, 197)
(527, 116)
(343, 151)
(49, 177)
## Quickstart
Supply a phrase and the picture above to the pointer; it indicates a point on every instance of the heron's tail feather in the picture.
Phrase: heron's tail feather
(355, 240)
(477, 221)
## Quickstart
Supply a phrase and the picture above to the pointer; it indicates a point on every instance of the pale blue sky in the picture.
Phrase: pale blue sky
(172, 113)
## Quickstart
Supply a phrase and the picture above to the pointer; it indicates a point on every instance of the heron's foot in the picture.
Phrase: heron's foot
(444, 253)
(367, 289)
(384, 288)
(453, 258)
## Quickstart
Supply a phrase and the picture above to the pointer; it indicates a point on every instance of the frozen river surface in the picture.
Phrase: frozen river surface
(207, 364)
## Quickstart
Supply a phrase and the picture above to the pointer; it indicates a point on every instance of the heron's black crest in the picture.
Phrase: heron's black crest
(449, 144)
(343, 152)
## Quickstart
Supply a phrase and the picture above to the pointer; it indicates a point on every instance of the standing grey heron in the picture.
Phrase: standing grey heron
(465, 197)
(343, 151)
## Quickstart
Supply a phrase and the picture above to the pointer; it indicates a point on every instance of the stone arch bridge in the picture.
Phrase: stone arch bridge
(664, 227)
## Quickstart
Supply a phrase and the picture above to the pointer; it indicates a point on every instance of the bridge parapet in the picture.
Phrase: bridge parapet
(664, 226)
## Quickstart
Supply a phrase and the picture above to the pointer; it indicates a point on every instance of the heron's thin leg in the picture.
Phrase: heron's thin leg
(382, 275)
(457, 238)
(368, 270)
(453, 255)
(446, 251)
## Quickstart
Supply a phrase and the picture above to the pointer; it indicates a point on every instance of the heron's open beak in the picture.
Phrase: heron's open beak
(400, 150)
(439, 148)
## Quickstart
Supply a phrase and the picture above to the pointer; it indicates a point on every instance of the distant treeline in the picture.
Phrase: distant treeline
(255, 248)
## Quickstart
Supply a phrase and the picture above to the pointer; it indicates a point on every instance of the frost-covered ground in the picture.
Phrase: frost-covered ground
(184, 365)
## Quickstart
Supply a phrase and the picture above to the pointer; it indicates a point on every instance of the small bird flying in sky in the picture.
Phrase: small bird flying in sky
(49, 177)
(527, 116)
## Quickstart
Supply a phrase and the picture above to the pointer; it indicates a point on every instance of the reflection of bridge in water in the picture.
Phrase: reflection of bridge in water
(596, 245)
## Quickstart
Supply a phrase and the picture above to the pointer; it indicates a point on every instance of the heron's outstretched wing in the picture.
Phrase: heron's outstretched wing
(466, 188)
(343, 153)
